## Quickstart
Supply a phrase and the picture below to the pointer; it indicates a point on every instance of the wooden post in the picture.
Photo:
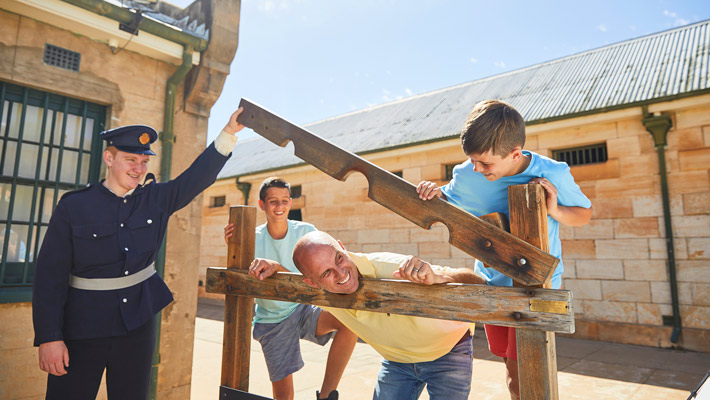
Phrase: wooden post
(236, 343)
(537, 358)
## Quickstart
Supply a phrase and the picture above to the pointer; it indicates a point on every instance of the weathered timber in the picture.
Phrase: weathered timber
(236, 343)
(506, 253)
(506, 306)
(537, 360)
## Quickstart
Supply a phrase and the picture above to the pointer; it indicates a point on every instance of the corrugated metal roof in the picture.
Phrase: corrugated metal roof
(661, 65)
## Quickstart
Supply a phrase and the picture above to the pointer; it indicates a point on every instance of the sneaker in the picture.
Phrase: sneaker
(332, 396)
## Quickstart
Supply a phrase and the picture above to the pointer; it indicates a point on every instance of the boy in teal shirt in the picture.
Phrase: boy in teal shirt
(278, 325)
(493, 139)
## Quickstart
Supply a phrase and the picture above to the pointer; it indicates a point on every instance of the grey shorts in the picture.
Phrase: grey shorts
(280, 341)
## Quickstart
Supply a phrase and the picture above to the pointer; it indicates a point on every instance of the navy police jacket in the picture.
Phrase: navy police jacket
(95, 234)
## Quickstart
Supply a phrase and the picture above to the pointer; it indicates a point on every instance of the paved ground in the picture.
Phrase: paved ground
(587, 369)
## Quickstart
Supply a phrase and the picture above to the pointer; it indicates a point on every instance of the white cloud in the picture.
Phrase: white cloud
(499, 64)
(677, 21)
(267, 6)
(601, 27)
(408, 91)
(473, 60)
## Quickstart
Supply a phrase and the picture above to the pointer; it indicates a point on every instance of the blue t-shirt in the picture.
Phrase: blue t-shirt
(273, 311)
(474, 193)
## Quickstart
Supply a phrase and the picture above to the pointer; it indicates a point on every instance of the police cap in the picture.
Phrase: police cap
(134, 139)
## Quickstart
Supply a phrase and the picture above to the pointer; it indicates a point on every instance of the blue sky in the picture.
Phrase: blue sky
(309, 60)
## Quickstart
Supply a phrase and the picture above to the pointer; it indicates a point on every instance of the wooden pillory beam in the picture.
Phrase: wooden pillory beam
(538, 311)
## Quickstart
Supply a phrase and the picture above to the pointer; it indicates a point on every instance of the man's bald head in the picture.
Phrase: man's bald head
(324, 263)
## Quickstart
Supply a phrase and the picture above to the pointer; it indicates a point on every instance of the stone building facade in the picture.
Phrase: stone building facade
(67, 71)
(616, 266)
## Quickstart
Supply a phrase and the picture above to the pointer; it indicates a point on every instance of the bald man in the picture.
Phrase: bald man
(417, 351)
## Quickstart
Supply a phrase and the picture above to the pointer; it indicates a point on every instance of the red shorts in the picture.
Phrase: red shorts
(501, 341)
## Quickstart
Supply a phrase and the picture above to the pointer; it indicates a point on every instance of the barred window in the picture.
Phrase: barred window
(62, 58)
(582, 155)
(47, 147)
(218, 201)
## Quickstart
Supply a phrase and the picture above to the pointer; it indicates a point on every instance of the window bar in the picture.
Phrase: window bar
(81, 146)
(6, 135)
(50, 145)
(8, 226)
(61, 152)
(96, 150)
(31, 227)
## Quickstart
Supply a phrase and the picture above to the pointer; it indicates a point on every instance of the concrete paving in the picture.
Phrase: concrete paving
(587, 369)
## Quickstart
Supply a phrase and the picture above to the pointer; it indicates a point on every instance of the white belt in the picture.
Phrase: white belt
(112, 283)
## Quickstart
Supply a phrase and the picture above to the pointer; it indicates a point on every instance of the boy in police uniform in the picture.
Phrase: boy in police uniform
(95, 288)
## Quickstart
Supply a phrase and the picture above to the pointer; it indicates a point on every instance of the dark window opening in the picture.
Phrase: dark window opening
(295, 192)
(295, 215)
(449, 171)
(398, 173)
(218, 201)
(593, 154)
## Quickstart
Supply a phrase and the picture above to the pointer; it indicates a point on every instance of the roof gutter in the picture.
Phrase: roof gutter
(126, 16)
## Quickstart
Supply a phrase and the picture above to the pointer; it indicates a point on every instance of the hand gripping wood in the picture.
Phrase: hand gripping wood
(511, 256)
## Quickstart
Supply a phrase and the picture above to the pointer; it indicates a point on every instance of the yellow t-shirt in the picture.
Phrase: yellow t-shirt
(399, 338)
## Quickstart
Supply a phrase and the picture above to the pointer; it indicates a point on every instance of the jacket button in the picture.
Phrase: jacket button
(125, 300)
(121, 224)
(95, 235)
(150, 221)
(125, 248)
(125, 273)
(125, 201)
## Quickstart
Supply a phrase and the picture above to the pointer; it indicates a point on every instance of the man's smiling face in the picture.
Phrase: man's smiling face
(331, 269)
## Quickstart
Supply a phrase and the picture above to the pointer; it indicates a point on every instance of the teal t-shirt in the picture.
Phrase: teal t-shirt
(474, 193)
(273, 311)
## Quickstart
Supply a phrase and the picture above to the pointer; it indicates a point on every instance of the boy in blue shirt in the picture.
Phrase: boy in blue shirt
(278, 325)
(493, 138)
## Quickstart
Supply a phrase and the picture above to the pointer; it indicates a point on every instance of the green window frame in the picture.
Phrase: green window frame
(48, 146)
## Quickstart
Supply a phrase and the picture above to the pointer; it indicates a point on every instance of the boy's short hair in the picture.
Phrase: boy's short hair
(273, 182)
(493, 125)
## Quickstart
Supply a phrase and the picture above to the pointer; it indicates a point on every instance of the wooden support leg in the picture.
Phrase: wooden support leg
(537, 358)
(238, 310)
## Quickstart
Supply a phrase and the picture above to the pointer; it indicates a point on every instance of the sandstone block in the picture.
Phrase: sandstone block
(636, 227)
(429, 250)
(693, 271)
(642, 164)
(566, 232)
(626, 291)
(694, 159)
(605, 310)
(622, 249)
(645, 270)
(578, 249)
(695, 317)
(624, 146)
(696, 203)
(595, 229)
(690, 137)
(612, 208)
(652, 206)
(380, 236)
(649, 314)
(599, 269)
(699, 248)
(690, 226)
(688, 182)
(584, 289)
(437, 232)
(605, 170)
(706, 135)
(627, 186)
(700, 294)
(409, 249)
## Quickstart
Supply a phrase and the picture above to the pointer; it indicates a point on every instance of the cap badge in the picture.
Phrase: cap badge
(144, 138)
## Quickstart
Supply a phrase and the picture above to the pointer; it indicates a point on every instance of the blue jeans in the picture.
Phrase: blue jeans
(448, 377)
